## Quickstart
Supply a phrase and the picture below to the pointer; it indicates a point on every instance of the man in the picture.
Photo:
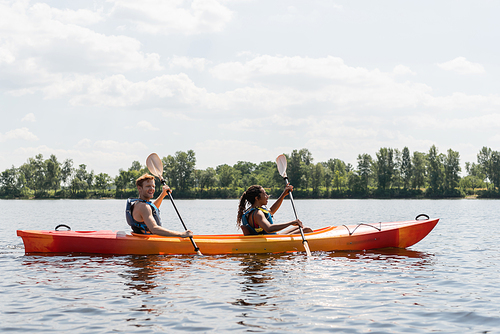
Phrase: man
(143, 215)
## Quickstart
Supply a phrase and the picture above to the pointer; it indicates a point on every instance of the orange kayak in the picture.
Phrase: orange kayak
(333, 238)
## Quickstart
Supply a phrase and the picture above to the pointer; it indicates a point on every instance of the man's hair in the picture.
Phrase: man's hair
(143, 178)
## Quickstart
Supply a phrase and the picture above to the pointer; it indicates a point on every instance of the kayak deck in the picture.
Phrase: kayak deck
(353, 237)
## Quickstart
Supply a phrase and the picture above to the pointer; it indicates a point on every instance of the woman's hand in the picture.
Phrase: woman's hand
(297, 222)
(187, 234)
(287, 190)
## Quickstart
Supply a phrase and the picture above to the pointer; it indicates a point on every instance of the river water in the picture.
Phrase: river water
(447, 283)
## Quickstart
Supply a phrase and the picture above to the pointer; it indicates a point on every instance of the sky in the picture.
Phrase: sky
(106, 83)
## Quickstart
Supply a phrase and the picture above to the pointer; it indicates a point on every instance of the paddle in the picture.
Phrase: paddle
(155, 166)
(281, 163)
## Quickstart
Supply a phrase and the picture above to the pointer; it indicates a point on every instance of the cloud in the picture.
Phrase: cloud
(462, 66)
(22, 134)
(84, 144)
(190, 63)
(402, 70)
(160, 17)
(113, 145)
(29, 118)
(232, 151)
(145, 125)
(40, 44)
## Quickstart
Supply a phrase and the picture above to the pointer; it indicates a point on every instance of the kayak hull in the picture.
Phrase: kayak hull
(333, 238)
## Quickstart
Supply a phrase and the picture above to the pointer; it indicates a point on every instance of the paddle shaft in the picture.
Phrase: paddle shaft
(196, 249)
(304, 241)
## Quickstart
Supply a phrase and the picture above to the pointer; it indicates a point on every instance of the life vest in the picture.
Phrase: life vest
(140, 227)
(255, 228)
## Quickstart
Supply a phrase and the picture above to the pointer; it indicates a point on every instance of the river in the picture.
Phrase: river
(447, 283)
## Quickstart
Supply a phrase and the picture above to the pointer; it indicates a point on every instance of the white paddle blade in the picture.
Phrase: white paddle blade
(281, 163)
(155, 165)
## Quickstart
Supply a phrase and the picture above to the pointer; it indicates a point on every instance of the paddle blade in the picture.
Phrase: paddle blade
(155, 165)
(281, 163)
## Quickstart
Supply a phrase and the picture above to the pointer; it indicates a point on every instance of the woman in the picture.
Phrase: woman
(258, 220)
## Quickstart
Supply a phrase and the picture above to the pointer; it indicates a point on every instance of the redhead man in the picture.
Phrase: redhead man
(143, 215)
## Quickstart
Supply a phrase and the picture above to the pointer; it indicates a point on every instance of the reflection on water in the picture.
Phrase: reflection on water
(256, 277)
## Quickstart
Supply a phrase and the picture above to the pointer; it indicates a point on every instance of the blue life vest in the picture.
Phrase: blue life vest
(255, 228)
(140, 227)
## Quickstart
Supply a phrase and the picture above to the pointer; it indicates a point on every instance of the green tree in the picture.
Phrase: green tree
(122, 180)
(364, 171)
(208, 178)
(406, 168)
(435, 171)
(225, 174)
(451, 170)
(52, 173)
(418, 171)
(102, 181)
(9, 182)
(384, 167)
(179, 169)
(67, 171)
(490, 164)
(318, 174)
(474, 178)
(294, 168)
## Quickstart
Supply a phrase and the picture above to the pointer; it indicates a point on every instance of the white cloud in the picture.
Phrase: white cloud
(113, 145)
(462, 66)
(402, 70)
(22, 134)
(232, 151)
(84, 144)
(173, 17)
(29, 118)
(187, 62)
(37, 41)
(145, 125)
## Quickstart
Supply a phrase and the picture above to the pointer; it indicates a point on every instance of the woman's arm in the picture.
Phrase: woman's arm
(280, 199)
(260, 219)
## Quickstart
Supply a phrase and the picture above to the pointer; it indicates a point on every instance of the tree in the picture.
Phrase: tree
(384, 167)
(67, 170)
(318, 175)
(397, 176)
(102, 181)
(208, 178)
(490, 164)
(435, 170)
(406, 168)
(52, 173)
(451, 170)
(83, 180)
(225, 174)
(294, 168)
(244, 173)
(9, 182)
(418, 170)
(364, 170)
(179, 169)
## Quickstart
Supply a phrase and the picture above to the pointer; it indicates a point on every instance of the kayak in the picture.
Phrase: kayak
(362, 236)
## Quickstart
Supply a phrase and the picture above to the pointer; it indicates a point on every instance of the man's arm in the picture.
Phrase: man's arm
(144, 211)
(159, 200)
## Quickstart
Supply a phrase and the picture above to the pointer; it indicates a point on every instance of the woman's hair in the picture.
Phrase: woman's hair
(143, 178)
(247, 197)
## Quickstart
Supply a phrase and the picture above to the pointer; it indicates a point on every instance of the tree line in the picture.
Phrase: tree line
(391, 173)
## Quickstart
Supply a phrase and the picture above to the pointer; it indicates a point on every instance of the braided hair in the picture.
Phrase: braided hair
(248, 197)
